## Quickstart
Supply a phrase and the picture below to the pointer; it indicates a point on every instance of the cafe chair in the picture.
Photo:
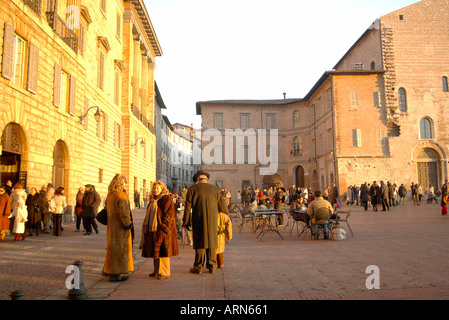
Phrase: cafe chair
(246, 216)
(321, 217)
(338, 219)
(234, 211)
(299, 221)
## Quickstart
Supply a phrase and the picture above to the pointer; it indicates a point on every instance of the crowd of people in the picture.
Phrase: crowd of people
(36, 212)
(199, 213)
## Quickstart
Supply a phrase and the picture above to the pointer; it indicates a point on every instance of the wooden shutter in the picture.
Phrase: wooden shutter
(72, 95)
(86, 107)
(101, 71)
(122, 136)
(82, 37)
(106, 125)
(99, 123)
(117, 88)
(57, 86)
(33, 68)
(8, 52)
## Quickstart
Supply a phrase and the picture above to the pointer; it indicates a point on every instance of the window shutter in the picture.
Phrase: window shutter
(8, 52)
(101, 71)
(354, 137)
(122, 136)
(33, 68)
(99, 128)
(72, 95)
(57, 86)
(106, 125)
(377, 99)
(86, 107)
(81, 40)
(117, 88)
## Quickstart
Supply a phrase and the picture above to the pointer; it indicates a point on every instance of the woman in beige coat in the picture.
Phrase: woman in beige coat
(119, 258)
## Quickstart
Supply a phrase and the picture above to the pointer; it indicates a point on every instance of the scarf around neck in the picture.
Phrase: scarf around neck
(150, 222)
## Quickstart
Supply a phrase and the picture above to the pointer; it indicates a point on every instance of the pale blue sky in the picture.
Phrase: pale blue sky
(252, 49)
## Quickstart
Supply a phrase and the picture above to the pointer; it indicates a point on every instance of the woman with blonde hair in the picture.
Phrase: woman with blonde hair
(159, 236)
(57, 205)
(119, 258)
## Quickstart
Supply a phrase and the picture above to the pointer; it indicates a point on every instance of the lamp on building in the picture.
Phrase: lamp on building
(142, 142)
(97, 114)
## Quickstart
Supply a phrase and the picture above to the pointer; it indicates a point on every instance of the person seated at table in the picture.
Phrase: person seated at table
(316, 218)
(298, 210)
(262, 201)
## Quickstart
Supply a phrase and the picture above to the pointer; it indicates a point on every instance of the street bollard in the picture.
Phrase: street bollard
(78, 292)
(16, 295)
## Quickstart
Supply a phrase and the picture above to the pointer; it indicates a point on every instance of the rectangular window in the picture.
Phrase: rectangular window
(244, 121)
(219, 184)
(356, 137)
(380, 134)
(19, 61)
(218, 121)
(319, 105)
(354, 99)
(313, 148)
(445, 85)
(330, 144)
(377, 99)
(313, 113)
(320, 144)
(329, 99)
(271, 121)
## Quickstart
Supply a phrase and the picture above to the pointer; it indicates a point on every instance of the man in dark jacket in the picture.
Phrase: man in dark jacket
(384, 196)
(91, 202)
(203, 203)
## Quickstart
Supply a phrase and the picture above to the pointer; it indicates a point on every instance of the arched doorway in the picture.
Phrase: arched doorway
(12, 159)
(427, 168)
(299, 177)
(60, 165)
(271, 180)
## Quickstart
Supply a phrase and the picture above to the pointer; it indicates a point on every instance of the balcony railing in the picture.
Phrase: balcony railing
(62, 30)
(136, 112)
(35, 5)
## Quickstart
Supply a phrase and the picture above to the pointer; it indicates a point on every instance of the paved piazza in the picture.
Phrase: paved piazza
(408, 245)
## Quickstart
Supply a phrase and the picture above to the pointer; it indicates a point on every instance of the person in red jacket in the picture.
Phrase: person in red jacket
(5, 211)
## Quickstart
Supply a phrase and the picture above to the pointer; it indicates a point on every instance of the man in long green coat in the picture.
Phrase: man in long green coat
(203, 202)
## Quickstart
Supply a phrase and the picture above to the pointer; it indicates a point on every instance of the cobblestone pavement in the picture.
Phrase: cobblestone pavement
(408, 244)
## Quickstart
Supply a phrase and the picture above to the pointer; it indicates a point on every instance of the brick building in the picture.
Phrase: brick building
(63, 60)
(378, 115)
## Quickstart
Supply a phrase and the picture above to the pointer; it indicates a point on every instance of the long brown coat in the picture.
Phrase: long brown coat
(5, 211)
(119, 257)
(162, 243)
(206, 201)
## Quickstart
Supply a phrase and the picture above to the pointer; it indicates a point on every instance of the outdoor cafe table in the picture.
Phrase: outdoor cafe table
(263, 219)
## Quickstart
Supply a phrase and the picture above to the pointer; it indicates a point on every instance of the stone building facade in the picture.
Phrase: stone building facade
(378, 115)
(67, 59)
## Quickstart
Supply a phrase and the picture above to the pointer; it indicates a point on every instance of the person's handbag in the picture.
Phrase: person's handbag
(102, 217)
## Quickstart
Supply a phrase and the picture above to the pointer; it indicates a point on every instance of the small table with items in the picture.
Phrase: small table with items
(264, 221)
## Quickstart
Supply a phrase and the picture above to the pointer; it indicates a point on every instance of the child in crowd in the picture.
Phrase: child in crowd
(224, 233)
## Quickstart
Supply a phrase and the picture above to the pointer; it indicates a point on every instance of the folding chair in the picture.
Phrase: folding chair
(245, 217)
(338, 219)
